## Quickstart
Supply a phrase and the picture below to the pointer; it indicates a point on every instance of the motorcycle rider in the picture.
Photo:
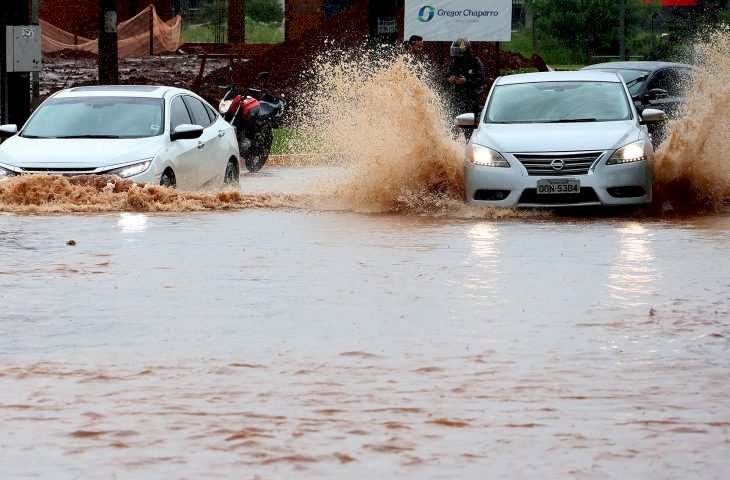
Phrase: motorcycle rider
(466, 77)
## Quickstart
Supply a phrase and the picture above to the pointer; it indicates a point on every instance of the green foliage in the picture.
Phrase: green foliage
(551, 49)
(507, 71)
(266, 11)
(256, 32)
(587, 27)
(259, 32)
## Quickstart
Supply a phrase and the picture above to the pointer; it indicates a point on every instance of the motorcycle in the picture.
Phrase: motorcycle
(254, 113)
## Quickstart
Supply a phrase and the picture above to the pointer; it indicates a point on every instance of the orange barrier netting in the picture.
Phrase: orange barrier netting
(133, 36)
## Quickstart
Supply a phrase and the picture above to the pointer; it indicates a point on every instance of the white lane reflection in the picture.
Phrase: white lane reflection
(483, 274)
(132, 222)
(633, 276)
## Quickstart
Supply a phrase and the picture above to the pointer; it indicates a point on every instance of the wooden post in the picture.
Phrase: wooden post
(152, 28)
(108, 43)
(236, 21)
(15, 86)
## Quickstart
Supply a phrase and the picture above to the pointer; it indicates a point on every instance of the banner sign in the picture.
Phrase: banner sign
(447, 20)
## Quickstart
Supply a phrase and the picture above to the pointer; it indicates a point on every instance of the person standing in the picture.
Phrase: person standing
(414, 45)
(465, 75)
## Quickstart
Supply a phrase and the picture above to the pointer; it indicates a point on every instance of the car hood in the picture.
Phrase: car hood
(77, 152)
(556, 137)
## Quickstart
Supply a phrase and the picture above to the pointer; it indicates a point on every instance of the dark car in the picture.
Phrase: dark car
(661, 85)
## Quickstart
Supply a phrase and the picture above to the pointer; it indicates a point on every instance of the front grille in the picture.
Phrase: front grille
(586, 195)
(57, 170)
(574, 163)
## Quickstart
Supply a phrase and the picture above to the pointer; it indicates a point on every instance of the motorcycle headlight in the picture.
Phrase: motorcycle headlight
(131, 170)
(486, 157)
(633, 152)
(224, 106)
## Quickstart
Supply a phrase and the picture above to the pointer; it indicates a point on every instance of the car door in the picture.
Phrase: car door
(673, 81)
(666, 91)
(184, 153)
(212, 161)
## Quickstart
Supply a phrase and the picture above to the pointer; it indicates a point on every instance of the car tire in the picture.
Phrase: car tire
(231, 176)
(168, 179)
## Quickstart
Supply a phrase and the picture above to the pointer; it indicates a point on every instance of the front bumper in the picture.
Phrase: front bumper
(607, 185)
(148, 176)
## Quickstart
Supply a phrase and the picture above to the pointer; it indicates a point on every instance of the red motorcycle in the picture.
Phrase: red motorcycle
(255, 114)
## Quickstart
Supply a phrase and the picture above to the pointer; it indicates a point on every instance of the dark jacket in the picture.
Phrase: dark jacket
(472, 69)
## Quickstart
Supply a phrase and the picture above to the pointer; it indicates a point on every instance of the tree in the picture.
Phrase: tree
(587, 26)
(268, 11)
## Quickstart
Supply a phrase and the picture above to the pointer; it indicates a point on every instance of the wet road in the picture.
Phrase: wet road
(287, 343)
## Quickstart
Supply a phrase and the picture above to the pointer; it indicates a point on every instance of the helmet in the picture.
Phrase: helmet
(459, 47)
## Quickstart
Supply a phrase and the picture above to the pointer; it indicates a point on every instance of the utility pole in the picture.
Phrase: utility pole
(236, 21)
(108, 44)
(622, 33)
(35, 77)
(15, 91)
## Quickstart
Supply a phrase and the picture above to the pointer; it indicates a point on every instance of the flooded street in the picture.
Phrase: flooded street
(356, 319)
(300, 343)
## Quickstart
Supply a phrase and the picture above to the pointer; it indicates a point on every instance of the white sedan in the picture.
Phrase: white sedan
(559, 139)
(149, 134)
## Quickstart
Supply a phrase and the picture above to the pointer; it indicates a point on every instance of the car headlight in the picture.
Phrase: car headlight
(479, 155)
(224, 106)
(131, 170)
(633, 152)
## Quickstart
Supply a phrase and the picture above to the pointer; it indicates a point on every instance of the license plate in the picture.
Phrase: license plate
(558, 186)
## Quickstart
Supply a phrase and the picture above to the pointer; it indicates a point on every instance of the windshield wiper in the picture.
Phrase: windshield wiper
(636, 80)
(90, 136)
(572, 120)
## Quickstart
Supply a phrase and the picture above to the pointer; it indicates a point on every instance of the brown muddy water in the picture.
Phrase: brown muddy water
(357, 320)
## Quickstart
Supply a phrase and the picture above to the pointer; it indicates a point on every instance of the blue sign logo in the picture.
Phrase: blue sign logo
(425, 14)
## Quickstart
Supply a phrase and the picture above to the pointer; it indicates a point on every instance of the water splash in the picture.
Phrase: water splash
(692, 169)
(383, 116)
(105, 193)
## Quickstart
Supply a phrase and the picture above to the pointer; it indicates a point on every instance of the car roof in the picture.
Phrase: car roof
(646, 65)
(567, 76)
(150, 91)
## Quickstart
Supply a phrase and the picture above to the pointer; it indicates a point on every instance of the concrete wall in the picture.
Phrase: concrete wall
(301, 15)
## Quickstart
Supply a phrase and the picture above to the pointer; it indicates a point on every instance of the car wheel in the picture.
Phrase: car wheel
(168, 179)
(230, 178)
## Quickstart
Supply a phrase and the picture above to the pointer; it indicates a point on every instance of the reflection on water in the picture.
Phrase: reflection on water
(483, 272)
(632, 276)
(132, 222)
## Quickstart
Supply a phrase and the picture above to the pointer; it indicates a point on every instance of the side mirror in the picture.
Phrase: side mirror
(652, 115)
(186, 131)
(466, 120)
(655, 93)
(8, 130)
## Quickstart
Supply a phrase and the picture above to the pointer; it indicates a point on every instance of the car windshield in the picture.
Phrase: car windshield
(634, 78)
(96, 117)
(556, 102)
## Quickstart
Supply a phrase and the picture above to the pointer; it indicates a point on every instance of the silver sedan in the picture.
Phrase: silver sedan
(559, 139)
(149, 134)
